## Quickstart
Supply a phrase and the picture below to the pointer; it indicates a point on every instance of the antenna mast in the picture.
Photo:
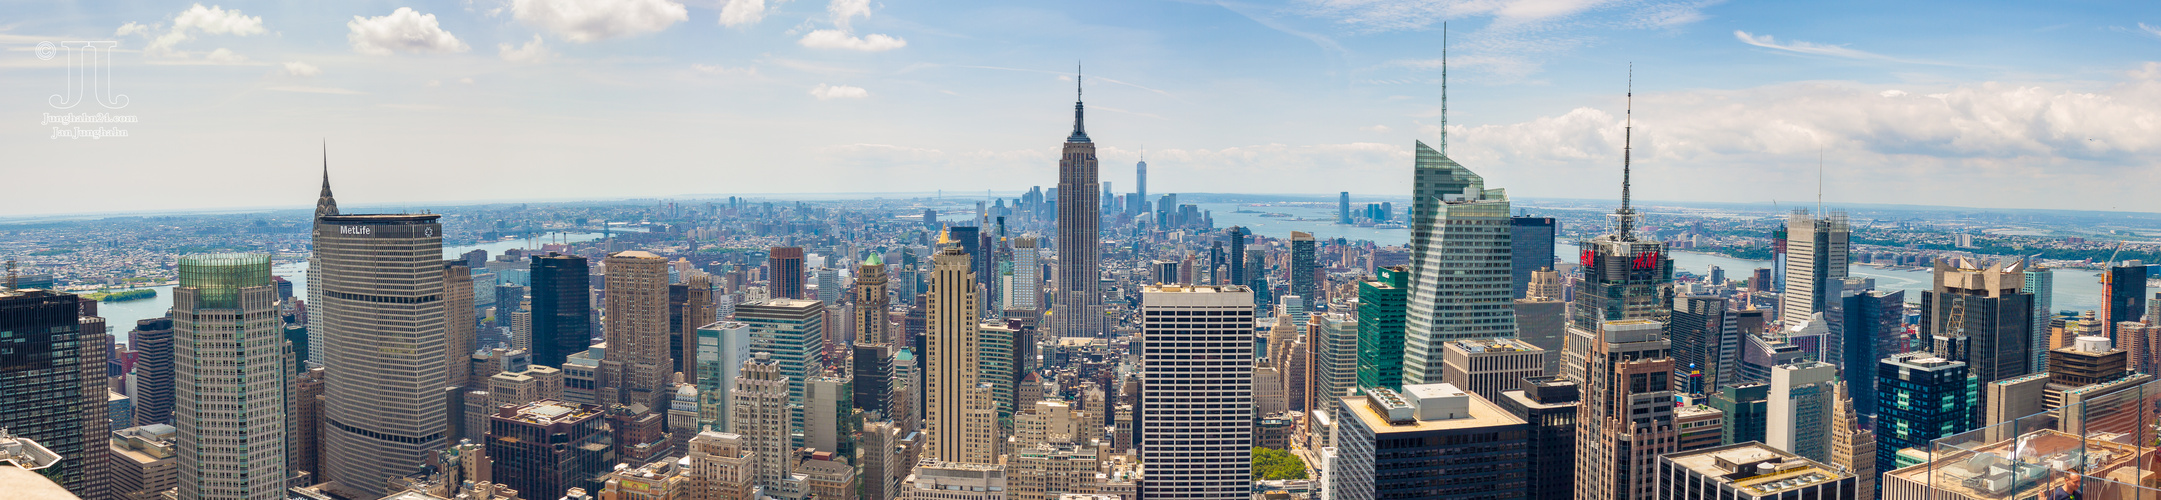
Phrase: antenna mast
(1444, 88)
(1626, 215)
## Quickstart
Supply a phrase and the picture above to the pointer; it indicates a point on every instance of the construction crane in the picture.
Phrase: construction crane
(2108, 292)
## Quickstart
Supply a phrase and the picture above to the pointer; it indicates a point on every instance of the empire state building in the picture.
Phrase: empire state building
(1077, 309)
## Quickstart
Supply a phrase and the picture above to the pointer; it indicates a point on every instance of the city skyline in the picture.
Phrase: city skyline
(1348, 84)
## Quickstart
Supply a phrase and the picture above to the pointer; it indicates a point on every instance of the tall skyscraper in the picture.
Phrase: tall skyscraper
(953, 383)
(1305, 265)
(690, 305)
(792, 332)
(152, 380)
(1981, 317)
(1335, 357)
(872, 371)
(1875, 326)
(1706, 343)
(1626, 420)
(1746, 407)
(1140, 184)
(1531, 246)
(562, 310)
(2042, 284)
(385, 409)
(637, 369)
(784, 271)
(1343, 208)
(1920, 397)
(1380, 328)
(1549, 405)
(1236, 235)
(229, 385)
(1465, 295)
(2126, 289)
(722, 349)
(1077, 310)
(459, 325)
(1816, 267)
(1195, 419)
(1801, 400)
(549, 446)
(42, 383)
(1026, 293)
(1852, 447)
(1624, 278)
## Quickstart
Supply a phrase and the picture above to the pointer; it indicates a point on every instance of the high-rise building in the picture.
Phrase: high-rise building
(2126, 289)
(152, 379)
(1747, 407)
(1738, 472)
(1335, 357)
(1706, 343)
(1343, 208)
(1077, 309)
(995, 346)
(1981, 317)
(1816, 269)
(872, 370)
(1026, 293)
(954, 383)
(1380, 327)
(1465, 295)
(784, 271)
(1800, 404)
(1920, 397)
(385, 409)
(545, 447)
(1305, 270)
(230, 380)
(459, 325)
(690, 305)
(2041, 282)
(1430, 441)
(1626, 420)
(1852, 447)
(722, 349)
(1490, 366)
(562, 308)
(825, 408)
(1624, 278)
(761, 417)
(1236, 235)
(637, 369)
(1140, 184)
(1549, 406)
(1195, 421)
(306, 443)
(1531, 248)
(1875, 328)
(42, 383)
(791, 331)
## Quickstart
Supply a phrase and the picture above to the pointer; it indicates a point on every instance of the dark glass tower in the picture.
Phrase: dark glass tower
(2126, 292)
(562, 308)
(1380, 328)
(1981, 317)
(41, 380)
(1706, 341)
(1303, 271)
(1874, 323)
(1531, 244)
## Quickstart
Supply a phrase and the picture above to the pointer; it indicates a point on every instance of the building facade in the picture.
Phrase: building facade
(1460, 264)
(384, 409)
(1077, 308)
(229, 380)
(1195, 420)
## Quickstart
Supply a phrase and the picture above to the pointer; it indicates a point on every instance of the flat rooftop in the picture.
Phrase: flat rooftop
(1483, 414)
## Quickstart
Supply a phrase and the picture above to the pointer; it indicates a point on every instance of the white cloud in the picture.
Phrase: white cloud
(2150, 29)
(589, 20)
(1391, 15)
(1767, 42)
(1378, 129)
(404, 30)
(467, 80)
(435, 83)
(224, 56)
(828, 92)
(837, 39)
(844, 10)
(297, 68)
(531, 52)
(1926, 146)
(742, 12)
(213, 20)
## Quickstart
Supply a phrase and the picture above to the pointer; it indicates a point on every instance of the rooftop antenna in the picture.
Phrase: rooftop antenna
(1444, 88)
(1626, 214)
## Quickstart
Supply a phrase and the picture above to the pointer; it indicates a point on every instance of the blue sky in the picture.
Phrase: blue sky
(1986, 104)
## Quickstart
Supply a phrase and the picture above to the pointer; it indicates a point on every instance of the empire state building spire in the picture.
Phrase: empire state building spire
(324, 203)
(1080, 132)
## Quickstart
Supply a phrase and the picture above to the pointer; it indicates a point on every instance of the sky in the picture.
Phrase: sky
(232, 104)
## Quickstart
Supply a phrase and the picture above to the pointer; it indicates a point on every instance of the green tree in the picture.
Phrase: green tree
(1272, 464)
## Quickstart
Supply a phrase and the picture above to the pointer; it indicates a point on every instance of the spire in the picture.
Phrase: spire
(324, 203)
(1080, 133)
(1625, 225)
(1444, 88)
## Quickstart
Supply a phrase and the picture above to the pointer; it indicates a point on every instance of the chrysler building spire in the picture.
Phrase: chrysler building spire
(324, 203)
